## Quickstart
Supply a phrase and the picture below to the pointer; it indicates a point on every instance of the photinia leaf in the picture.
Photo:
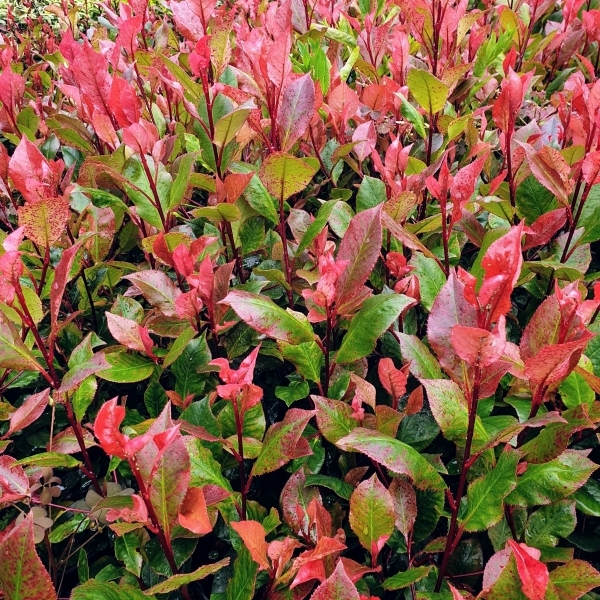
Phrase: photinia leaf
(228, 126)
(334, 418)
(192, 512)
(422, 364)
(279, 445)
(485, 495)
(14, 484)
(372, 515)
(450, 410)
(337, 587)
(126, 368)
(427, 90)
(241, 585)
(28, 412)
(373, 319)
(45, 221)
(572, 580)
(158, 289)
(533, 574)
(393, 380)
(552, 481)
(405, 505)
(176, 581)
(547, 525)
(13, 352)
(360, 246)
(96, 590)
(405, 578)
(22, 574)
(263, 315)
(285, 175)
(254, 536)
(295, 111)
(398, 457)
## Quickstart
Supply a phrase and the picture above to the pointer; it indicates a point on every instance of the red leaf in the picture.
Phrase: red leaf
(356, 571)
(28, 412)
(193, 514)
(106, 429)
(415, 401)
(533, 574)
(124, 102)
(12, 89)
(310, 564)
(62, 274)
(125, 331)
(477, 346)
(449, 309)
(393, 380)
(33, 175)
(360, 246)
(551, 170)
(463, 186)
(14, 484)
(254, 536)
(294, 500)
(296, 110)
(544, 228)
(510, 99)
(502, 265)
(337, 587)
(22, 573)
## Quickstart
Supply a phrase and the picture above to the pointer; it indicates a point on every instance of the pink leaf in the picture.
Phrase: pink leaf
(22, 573)
(296, 110)
(337, 587)
(533, 574)
(28, 412)
(477, 346)
(14, 484)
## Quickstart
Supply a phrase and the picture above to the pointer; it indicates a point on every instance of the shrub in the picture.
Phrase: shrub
(299, 298)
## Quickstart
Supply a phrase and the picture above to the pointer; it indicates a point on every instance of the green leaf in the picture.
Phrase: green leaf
(395, 455)
(372, 514)
(317, 225)
(178, 346)
(412, 115)
(590, 217)
(341, 488)
(126, 368)
(572, 580)
(333, 418)
(449, 408)
(219, 213)
(281, 440)
(126, 550)
(180, 185)
(263, 315)
(431, 278)
(285, 175)
(485, 495)
(95, 590)
(552, 481)
(227, 127)
(588, 498)
(375, 316)
(406, 578)
(50, 459)
(176, 581)
(257, 195)
(297, 390)
(427, 90)
(78, 523)
(205, 470)
(423, 365)
(83, 397)
(547, 525)
(370, 193)
(13, 352)
(155, 399)
(533, 200)
(185, 368)
(575, 390)
(508, 584)
(241, 585)
(306, 357)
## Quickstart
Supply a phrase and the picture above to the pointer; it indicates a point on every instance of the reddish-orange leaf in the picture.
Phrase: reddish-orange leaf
(254, 536)
(193, 514)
